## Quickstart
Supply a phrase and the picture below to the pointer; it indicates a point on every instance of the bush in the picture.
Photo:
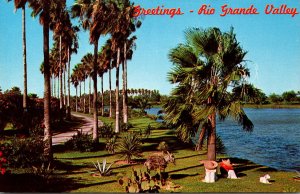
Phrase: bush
(111, 144)
(106, 130)
(80, 142)
(25, 152)
(147, 131)
(3, 163)
(126, 126)
(11, 111)
(163, 146)
(130, 146)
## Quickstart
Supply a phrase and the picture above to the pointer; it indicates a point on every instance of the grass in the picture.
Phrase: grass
(73, 169)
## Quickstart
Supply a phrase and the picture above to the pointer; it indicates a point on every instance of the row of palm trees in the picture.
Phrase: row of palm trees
(99, 17)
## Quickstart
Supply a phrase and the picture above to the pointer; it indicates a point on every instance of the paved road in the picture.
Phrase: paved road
(86, 127)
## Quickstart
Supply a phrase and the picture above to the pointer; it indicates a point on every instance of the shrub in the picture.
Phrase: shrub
(111, 144)
(163, 146)
(11, 110)
(3, 163)
(45, 173)
(25, 152)
(130, 146)
(80, 142)
(147, 131)
(126, 126)
(106, 130)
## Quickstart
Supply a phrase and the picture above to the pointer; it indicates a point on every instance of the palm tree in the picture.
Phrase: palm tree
(72, 43)
(42, 8)
(97, 16)
(88, 61)
(107, 59)
(206, 67)
(21, 4)
(104, 63)
(75, 82)
(126, 25)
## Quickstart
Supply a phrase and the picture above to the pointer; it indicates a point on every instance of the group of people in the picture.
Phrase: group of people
(211, 170)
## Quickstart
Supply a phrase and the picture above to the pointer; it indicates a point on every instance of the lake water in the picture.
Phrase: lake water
(274, 142)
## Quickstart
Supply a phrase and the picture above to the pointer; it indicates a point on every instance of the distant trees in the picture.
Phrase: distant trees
(286, 97)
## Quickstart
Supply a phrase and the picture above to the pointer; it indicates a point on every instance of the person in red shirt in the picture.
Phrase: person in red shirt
(227, 166)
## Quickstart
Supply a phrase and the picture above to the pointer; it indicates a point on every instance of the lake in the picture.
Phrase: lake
(274, 142)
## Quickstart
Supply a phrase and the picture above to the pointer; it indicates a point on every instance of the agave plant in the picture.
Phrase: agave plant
(103, 169)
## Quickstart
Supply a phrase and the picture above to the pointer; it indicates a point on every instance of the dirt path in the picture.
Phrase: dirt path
(86, 126)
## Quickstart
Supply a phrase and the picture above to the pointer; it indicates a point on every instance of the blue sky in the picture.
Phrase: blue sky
(272, 42)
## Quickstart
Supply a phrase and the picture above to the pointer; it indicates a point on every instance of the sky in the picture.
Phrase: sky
(271, 40)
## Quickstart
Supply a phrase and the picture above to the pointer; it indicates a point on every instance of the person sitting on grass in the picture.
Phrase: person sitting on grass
(210, 170)
(226, 166)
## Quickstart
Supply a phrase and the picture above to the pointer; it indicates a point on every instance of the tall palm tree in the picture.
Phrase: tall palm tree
(87, 60)
(104, 66)
(97, 16)
(206, 68)
(126, 25)
(20, 4)
(42, 8)
(74, 80)
(108, 57)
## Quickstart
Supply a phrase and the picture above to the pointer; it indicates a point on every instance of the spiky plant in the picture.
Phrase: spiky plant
(104, 169)
(130, 146)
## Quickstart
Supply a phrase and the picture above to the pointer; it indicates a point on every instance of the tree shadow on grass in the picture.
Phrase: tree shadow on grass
(180, 176)
(62, 148)
(31, 183)
(266, 169)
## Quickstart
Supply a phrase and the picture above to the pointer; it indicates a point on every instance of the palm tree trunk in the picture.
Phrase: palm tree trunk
(125, 108)
(80, 96)
(61, 104)
(24, 60)
(69, 93)
(102, 97)
(95, 127)
(117, 129)
(54, 86)
(58, 87)
(65, 89)
(76, 100)
(47, 90)
(84, 111)
(60, 78)
(110, 92)
(89, 94)
(211, 138)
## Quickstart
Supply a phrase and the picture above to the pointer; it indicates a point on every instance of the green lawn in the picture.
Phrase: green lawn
(187, 172)
(73, 169)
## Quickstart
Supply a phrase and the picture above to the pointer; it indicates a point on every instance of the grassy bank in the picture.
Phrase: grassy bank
(187, 172)
(73, 170)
